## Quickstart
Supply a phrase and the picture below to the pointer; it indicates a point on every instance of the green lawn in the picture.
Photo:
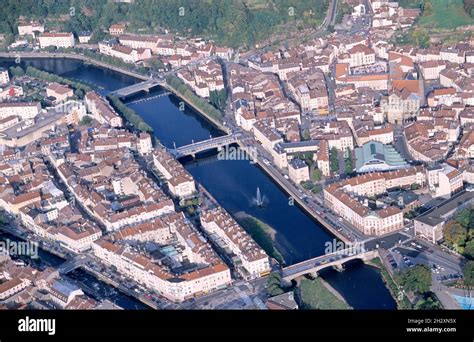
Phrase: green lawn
(315, 296)
(446, 14)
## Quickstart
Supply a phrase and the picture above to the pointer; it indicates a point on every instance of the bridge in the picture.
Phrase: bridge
(166, 93)
(137, 87)
(205, 145)
(336, 259)
(72, 264)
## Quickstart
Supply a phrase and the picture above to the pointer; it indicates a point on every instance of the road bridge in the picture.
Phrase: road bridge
(336, 259)
(205, 145)
(138, 87)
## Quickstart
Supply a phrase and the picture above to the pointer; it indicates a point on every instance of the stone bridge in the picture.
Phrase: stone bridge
(336, 259)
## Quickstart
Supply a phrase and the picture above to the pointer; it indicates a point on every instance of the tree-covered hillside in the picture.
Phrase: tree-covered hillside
(230, 22)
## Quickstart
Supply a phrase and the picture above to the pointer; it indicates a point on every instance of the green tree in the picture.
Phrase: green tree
(427, 304)
(86, 120)
(348, 163)
(316, 175)
(455, 234)
(274, 287)
(464, 217)
(16, 71)
(416, 279)
(333, 160)
(428, 7)
(421, 37)
(468, 271)
(79, 93)
(469, 250)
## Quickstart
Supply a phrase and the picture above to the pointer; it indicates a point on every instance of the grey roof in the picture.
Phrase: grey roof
(285, 300)
(305, 143)
(375, 152)
(298, 163)
(439, 213)
(64, 287)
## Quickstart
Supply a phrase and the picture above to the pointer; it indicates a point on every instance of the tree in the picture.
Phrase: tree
(421, 37)
(455, 234)
(464, 217)
(469, 250)
(316, 175)
(274, 287)
(333, 160)
(348, 163)
(86, 120)
(79, 93)
(428, 7)
(17, 71)
(416, 279)
(427, 304)
(468, 271)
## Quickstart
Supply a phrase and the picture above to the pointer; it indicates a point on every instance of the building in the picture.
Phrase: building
(284, 301)
(11, 92)
(192, 268)
(4, 78)
(30, 28)
(59, 92)
(443, 180)
(298, 171)
(62, 293)
(375, 156)
(102, 110)
(144, 144)
(404, 100)
(244, 251)
(348, 198)
(117, 29)
(60, 39)
(84, 37)
(323, 158)
(23, 110)
(360, 55)
(429, 225)
(127, 54)
(179, 181)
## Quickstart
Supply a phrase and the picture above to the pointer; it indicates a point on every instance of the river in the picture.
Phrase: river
(84, 280)
(234, 183)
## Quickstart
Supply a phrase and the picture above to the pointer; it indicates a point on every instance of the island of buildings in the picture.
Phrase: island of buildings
(399, 120)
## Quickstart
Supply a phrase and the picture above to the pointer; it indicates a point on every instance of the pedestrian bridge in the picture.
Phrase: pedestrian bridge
(336, 259)
(137, 87)
(205, 145)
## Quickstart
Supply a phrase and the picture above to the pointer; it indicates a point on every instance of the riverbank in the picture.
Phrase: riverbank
(218, 124)
(274, 175)
(262, 233)
(59, 55)
(319, 295)
(402, 302)
(278, 179)
(234, 183)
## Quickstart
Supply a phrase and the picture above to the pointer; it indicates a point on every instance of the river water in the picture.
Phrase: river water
(234, 183)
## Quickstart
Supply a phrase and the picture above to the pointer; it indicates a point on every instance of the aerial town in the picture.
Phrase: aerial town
(368, 138)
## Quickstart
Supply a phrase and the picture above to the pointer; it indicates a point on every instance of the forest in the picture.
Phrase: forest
(229, 22)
